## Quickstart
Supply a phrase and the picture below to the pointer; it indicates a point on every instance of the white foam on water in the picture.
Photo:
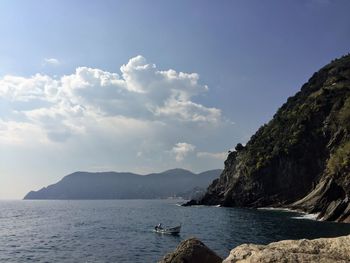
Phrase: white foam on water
(301, 216)
(277, 209)
(307, 216)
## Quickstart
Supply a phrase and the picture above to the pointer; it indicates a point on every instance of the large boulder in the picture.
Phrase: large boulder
(191, 251)
(322, 250)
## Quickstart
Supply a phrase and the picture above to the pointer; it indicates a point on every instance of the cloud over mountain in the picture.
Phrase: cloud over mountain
(181, 150)
(136, 119)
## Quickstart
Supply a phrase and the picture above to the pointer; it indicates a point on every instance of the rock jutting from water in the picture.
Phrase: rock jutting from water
(301, 158)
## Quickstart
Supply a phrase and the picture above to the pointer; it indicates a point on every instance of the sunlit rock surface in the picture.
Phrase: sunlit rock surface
(322, 250)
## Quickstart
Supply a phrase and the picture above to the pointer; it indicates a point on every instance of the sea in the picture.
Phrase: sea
(122, 230)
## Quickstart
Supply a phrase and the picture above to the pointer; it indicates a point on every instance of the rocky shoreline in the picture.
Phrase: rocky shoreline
(306, 215)
(321, 250)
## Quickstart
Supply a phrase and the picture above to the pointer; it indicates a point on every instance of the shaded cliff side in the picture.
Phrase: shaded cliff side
(301, 158)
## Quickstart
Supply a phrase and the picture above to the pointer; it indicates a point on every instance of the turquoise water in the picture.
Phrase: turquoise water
(122, 230)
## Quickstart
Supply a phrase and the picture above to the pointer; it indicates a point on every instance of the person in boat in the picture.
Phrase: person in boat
(159, 226)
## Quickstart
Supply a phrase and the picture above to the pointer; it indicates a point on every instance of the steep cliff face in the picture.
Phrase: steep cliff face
(301, 158)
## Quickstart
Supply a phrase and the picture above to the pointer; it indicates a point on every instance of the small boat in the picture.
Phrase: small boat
(168, 230)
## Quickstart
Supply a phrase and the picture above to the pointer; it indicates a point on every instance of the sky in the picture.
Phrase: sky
(146, 86)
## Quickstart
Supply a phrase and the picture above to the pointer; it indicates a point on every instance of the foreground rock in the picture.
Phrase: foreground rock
(301, 158)
(191, 251)
(323, 250)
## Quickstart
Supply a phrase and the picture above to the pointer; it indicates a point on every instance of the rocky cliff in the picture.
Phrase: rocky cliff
(301, 158)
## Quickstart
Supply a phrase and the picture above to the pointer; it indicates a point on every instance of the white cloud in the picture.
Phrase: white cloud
(37, 87)
(181, 150)
(67, 106)
(122, 121)
(219, 155)
(188, 111)
(17, 133)
(51, 61)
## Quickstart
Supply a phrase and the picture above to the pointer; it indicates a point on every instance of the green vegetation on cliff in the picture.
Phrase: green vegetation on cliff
(301, 158)
(339, 161)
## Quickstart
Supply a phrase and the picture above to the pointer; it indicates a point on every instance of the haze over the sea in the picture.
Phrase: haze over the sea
(146, 86)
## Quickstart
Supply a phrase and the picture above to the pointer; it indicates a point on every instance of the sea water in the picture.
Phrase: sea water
(122, 230)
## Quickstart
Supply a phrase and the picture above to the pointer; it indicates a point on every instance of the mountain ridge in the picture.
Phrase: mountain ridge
(125, 185)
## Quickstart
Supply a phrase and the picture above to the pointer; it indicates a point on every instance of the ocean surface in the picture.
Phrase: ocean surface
(122, 230)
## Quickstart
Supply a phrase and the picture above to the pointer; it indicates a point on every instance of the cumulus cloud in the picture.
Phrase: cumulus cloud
(128, 119)
(72, 104)
(188, 111)
(218, 155)
(37, 87)
(181, 150)
(139, 118)
(51, 61)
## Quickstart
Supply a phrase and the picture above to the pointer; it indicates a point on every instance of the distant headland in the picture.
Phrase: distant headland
(113, 185)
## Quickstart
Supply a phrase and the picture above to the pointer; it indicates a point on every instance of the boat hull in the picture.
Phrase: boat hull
(169, 231)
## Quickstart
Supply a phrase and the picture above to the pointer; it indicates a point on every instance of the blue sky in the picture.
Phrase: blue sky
(198, 77)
